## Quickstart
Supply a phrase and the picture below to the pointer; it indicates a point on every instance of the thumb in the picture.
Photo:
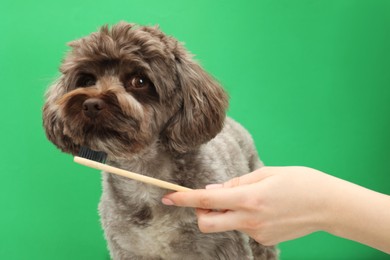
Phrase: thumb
(249, 178)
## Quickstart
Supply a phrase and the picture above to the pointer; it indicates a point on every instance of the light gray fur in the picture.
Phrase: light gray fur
(173, 233)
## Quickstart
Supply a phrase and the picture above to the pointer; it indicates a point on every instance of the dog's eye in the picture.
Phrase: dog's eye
(138, 82)
(86, 80)
(141, 87)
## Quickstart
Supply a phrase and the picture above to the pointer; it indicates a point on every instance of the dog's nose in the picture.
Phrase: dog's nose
(93, 106)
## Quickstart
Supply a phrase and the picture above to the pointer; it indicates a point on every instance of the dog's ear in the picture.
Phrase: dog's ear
(52, 123)
(203, 110)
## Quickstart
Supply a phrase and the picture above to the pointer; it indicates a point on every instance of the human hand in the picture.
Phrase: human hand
(271, 204)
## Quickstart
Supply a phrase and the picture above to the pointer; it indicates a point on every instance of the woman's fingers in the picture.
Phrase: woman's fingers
(229, 195)
(219, 199)
(210, 221)
(249, 178)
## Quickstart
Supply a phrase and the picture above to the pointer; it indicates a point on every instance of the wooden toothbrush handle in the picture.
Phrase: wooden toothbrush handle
(131, 175)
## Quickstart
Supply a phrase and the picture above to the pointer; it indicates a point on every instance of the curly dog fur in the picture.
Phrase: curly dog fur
(137, 94)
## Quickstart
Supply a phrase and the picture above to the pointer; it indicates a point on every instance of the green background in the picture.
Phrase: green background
(309, 79)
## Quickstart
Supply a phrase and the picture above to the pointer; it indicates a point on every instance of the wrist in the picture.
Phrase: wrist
(358, 214)
(335, 211)
(329, 202)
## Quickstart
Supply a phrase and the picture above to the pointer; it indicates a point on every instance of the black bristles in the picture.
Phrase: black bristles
(96, 156)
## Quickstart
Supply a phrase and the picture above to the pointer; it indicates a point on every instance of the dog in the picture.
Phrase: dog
(138, 95)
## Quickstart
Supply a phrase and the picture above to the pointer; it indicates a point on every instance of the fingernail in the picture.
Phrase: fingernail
(214, 186)
(167, 202)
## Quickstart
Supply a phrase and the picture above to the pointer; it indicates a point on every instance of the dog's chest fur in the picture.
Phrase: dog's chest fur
(136, 222)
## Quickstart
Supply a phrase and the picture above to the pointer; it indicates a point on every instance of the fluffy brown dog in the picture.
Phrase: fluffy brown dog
(136, 94)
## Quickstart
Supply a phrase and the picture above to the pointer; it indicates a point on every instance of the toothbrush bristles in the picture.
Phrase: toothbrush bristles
(90, 154)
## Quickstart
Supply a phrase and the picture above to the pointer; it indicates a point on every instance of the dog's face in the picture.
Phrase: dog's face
(125, 87)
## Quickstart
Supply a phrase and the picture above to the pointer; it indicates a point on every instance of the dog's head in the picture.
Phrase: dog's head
(125, 87)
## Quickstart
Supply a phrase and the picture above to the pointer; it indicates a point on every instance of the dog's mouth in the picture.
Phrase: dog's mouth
(100, 123)
(99, 135)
